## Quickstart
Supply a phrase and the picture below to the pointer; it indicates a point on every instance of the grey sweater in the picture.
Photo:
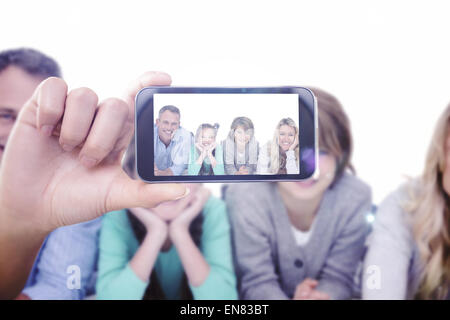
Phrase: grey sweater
(268, 262)
(393, 251)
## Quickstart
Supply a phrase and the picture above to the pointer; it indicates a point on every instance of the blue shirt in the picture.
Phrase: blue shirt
(176, 155)
(75, 245)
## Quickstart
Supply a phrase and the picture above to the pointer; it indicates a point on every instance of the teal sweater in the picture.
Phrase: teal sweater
(194, 168)
(116, 280)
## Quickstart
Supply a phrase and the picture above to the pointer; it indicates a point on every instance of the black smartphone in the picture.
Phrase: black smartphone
(206, 134)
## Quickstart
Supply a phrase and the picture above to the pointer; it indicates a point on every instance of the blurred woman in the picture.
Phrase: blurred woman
(303, 240)
(281, 155)
(409, 248)
(241, 148)
(178, 250)
(206, 156)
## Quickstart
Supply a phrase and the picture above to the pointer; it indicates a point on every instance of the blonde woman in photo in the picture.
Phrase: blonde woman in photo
(281, 155)
(409, 248)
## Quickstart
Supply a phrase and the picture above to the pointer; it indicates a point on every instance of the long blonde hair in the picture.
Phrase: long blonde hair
(430, 217)
(274, 146)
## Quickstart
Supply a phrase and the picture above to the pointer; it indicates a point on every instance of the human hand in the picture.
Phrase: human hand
(295, 143)
(203, 150)
(242, 170)
(306, 291)
(153, 224)
(211, 148)
(194, 205)
(48, 181)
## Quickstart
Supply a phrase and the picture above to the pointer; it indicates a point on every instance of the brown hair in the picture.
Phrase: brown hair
(429, 209)
(335, 134)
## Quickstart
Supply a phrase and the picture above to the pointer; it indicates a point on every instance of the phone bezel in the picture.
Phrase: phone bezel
(144, 114)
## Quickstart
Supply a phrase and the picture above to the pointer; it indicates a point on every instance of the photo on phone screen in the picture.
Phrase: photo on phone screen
(225, 134)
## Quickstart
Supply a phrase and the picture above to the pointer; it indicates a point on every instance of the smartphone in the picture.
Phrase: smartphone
(222, 134)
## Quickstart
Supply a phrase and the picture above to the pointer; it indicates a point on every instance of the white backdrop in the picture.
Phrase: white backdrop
(265, 111)
(387, 61)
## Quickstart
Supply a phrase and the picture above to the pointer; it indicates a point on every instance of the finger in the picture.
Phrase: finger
(303, 293)
(105, 132)
(79, 114)
(129, 193)
(50, 98)
(150, 78)
(317, 295)
(311, 282)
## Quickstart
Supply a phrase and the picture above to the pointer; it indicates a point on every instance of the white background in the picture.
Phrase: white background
(265, 111)
(387, 61)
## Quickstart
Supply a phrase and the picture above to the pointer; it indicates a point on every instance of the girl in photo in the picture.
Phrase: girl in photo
(178, 250)
(409, 248)
(303, 240)
(281, 155)
(206, 156)
(241, 148)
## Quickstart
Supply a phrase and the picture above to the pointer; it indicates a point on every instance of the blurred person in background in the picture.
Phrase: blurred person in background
(178, 250)
(409, 247)
(303, 240)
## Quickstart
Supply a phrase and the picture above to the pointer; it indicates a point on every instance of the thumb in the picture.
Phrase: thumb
(128, 193)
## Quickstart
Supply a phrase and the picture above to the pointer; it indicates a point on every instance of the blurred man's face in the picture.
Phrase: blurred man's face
(16, 87)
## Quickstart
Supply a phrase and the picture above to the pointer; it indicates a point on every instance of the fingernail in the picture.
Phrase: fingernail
(88, 161)
(47, 130)
(184, 195)
(67, 147)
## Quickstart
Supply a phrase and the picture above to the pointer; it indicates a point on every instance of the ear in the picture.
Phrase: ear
(157, 121)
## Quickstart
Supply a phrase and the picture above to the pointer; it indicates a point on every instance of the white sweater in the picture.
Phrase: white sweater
(263, 166)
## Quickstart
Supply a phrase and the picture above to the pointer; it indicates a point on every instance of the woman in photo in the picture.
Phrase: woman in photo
(303, 240)
(281, 155)
(178, 250)
(240, 148)
(409, 248)
(206, 156)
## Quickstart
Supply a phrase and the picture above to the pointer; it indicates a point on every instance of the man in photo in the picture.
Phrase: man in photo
(171, 143)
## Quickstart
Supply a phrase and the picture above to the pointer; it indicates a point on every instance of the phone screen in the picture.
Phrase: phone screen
(227, 134)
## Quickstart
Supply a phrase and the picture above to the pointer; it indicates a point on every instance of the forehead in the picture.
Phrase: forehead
(241, 128)
(16, 87)
(169, 116)
(287, 128)
(208, 132)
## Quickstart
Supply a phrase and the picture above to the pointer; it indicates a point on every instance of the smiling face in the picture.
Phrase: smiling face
(207, 137)
(313, 188)
(242, 136)
(286, 137)
(167, 123)
(16, 87)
